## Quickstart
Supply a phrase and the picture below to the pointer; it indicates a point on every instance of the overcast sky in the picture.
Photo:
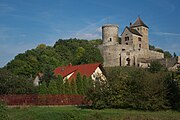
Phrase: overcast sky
(26, 23)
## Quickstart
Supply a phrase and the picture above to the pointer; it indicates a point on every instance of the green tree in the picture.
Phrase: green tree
(79, 84)
(43, 88)
(73, 87)
(52, 88)
(174, 54)
(155, 67)
(167, 54)
(85, 83)
(60, 85)
(67, 87)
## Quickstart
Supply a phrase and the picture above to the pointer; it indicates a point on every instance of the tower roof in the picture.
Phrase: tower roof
(138, 23)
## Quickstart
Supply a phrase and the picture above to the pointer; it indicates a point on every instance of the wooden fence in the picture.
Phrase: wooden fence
(43, 99)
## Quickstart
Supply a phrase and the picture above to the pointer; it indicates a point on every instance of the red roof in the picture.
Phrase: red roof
(84, 69)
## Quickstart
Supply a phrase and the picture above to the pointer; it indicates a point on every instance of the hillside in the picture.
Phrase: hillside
(62, 53)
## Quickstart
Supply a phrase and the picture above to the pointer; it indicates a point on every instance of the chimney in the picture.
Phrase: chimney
(130, 24)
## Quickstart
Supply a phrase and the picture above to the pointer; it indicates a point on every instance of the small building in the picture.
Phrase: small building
(95, 71)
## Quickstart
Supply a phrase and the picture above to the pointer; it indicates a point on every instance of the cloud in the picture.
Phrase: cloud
(91, 31)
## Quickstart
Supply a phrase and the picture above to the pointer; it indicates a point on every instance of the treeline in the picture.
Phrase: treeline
(136, 88)
(62, 53)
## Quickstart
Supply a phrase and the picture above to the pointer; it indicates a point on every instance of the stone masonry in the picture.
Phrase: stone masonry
(134, 47)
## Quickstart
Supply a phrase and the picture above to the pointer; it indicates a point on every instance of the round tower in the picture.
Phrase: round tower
(110, 34)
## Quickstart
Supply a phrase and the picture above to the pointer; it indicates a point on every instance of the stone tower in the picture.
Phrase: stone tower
(110, 34)
(143, 30)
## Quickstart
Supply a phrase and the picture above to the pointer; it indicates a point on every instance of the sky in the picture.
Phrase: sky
(26, 23)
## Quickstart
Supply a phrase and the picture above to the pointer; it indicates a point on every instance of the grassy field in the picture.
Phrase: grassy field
(75, 113)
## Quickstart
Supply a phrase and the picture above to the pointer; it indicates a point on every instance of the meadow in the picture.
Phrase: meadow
(77, 113)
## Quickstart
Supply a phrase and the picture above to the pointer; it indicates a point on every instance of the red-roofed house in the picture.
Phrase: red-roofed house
(70, 72)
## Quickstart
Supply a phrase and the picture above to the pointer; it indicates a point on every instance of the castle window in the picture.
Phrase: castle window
(138, 28)
(139, 45)
(126, 38)
(110, 39)
(126, 43)
(139, 39)
(123, 49)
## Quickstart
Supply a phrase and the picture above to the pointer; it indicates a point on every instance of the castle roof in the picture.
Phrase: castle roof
(138, 23)
(133, 31)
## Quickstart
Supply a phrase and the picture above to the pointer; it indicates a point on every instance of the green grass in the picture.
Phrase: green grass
(75, 113)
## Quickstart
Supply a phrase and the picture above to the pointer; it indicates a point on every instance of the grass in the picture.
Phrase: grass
(75, 113)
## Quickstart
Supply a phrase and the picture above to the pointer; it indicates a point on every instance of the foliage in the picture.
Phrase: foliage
(52, 88)
(155, 67)
(3, 111)
(43, 88)
(60, 86)
(13, 84)
(62, 53)
(67, 87)
(79, 84)
(134, 88)
(167, 54)
(73, 87)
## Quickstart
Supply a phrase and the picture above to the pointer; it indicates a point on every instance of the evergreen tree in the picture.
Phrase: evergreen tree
(60, 86)
(79, 84)
(52, 88)
(73, 87)
(85, 84)
(43, 88)
(67, 87)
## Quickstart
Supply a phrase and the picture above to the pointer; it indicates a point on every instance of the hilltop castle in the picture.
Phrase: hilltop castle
(133, 49)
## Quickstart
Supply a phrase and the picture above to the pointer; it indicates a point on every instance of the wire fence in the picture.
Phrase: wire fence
(44, 99)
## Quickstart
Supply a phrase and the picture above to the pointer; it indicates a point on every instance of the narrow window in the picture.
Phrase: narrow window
(139, 45)
(110, 39)
(139, 39)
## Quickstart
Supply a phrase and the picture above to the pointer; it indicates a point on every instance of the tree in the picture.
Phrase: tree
(60, 85)
(174, 54)
(73, 87)
(48, 75)
(43, 88)
(167, 54)
(67, 87)
(52, 88)
(155, 67)
(79, 84)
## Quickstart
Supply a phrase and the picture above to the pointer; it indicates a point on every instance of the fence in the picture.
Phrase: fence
(43, 99)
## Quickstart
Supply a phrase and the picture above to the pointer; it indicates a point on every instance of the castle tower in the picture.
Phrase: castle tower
(143, 30)
(110, 34)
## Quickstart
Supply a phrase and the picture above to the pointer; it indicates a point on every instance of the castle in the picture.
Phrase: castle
(133, 49)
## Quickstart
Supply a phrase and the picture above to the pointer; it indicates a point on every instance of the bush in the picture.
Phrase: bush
(3, 112)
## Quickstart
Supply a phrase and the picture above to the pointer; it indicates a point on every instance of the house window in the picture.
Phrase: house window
(139, 39)
(126, 38)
